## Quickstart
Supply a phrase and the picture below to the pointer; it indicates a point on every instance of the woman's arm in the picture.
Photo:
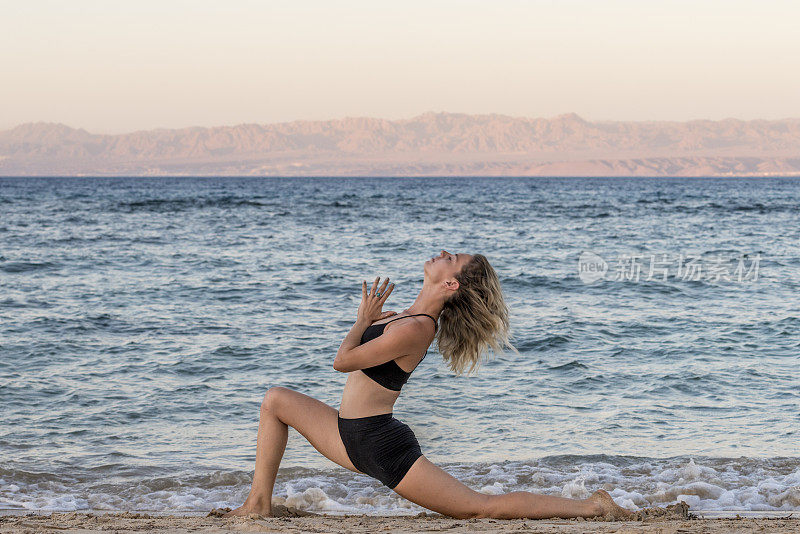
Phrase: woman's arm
(352, 339)
(395, 343)
(407, 337)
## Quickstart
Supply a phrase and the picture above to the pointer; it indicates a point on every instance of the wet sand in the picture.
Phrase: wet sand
(673, 520)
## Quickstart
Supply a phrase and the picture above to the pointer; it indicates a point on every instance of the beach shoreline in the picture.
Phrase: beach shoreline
(423, 522)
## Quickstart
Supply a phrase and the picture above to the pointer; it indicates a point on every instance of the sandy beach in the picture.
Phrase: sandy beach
(671, 520)
(128, 522)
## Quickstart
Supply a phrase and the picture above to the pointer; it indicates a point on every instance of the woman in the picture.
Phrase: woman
(463, 292)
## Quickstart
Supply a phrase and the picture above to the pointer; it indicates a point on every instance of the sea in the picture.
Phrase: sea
(142, 320)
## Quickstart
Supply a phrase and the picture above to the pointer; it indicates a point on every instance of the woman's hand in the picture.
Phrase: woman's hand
(371, 302)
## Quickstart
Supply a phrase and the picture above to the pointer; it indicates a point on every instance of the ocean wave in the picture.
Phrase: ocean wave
(171, 205)
(22, 267)
(705, 483)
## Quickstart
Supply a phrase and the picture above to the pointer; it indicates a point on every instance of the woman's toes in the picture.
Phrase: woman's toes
(242, 511)
(608, 506)
(218, 512)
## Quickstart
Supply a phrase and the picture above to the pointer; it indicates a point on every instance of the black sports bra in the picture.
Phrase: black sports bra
(388, 374)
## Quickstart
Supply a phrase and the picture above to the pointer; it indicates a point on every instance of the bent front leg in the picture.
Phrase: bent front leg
(313, 419)
(270, 446)
(273, 435)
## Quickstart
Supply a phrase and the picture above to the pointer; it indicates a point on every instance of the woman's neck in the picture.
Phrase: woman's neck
(428, 301)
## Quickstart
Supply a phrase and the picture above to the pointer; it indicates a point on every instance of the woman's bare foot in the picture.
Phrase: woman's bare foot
(608, 506)
(247, 509)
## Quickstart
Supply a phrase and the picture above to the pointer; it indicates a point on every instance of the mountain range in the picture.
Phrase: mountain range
(431, 144)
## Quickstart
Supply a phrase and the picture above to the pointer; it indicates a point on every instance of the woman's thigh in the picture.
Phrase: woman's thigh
(313, 419)
(434, 488)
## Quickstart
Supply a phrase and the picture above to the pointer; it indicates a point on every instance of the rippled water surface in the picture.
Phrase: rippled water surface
(143, 319)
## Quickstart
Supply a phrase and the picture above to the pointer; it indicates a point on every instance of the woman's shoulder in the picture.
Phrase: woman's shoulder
(420, 322)
(418, 316)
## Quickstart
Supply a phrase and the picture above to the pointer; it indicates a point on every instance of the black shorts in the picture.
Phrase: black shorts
(380, 446)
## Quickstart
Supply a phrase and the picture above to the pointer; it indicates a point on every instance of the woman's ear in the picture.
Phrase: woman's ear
(451, 284)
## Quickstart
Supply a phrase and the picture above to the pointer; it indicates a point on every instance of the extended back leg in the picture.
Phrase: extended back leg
(434, 488)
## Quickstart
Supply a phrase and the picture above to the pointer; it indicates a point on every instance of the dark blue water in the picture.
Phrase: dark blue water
(143, 319)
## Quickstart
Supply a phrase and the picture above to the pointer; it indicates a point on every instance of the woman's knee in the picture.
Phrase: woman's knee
(488, 506)
(475, 506)
(478, 507)
(273, 399)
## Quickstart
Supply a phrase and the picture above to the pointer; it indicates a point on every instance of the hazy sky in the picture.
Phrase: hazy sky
(116, 66)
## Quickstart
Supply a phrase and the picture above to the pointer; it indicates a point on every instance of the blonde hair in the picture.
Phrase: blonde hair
(474, 318)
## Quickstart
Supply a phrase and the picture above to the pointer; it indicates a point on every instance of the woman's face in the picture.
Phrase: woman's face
(446, 265)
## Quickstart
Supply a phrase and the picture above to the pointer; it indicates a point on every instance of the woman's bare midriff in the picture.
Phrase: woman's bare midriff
(362, 396)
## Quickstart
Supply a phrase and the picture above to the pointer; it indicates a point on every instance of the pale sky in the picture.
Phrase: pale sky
(113, 66)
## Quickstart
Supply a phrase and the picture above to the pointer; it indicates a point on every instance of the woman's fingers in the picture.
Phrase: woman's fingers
(364, 290)
(374, 285)
(385, 294)
(381, 291)
(383, 286)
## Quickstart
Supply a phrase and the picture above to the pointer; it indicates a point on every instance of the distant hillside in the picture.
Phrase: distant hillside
(443, 144)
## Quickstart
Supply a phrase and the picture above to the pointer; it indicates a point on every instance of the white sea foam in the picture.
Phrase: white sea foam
(705, 484)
